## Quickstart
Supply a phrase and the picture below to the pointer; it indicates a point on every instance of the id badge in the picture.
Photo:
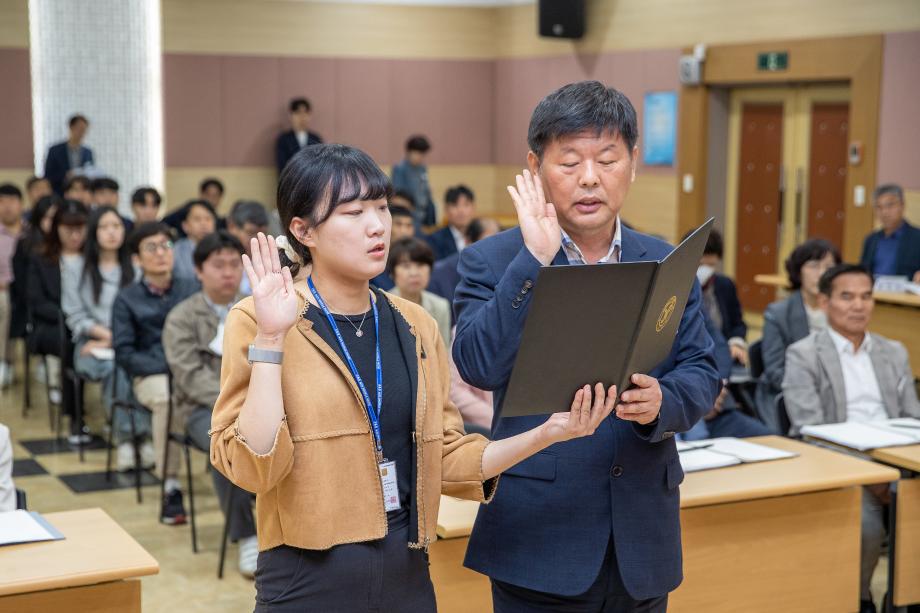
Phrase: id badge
(390, 488)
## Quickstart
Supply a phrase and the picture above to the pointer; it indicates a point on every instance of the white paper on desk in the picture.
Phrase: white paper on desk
(748, 452)
(697, 459)
(103, 353)
(25, 527)
(908, 426)
(861, 436)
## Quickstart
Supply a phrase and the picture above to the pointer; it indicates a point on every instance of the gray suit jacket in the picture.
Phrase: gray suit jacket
(813, 385)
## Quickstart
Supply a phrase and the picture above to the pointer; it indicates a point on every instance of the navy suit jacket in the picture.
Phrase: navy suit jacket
(442, 243)
(548, 527)
(908, 261)
(730, 308)
(58, 163)
(445, 278)
(287, 145)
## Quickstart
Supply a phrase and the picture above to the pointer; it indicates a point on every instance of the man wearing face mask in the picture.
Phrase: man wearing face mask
(720, 298)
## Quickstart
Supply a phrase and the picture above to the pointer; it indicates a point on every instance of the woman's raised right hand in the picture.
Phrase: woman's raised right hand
(276, 303)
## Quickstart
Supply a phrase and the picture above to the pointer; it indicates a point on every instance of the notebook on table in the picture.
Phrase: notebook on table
(865, 436)
(726, 451)
(20, 526)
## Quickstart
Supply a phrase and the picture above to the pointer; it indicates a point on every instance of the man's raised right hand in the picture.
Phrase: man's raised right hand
(537, 218)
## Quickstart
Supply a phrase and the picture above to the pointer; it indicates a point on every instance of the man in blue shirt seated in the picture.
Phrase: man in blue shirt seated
(895, 248)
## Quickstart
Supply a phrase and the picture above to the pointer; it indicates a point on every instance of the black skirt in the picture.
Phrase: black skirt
(383, 576)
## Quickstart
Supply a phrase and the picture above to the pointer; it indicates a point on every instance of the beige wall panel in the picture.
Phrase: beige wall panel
(16, 176)
(912, 212)
(628, 24)
(283, 27)
(249, 183)
(260, 184)
(14, 23)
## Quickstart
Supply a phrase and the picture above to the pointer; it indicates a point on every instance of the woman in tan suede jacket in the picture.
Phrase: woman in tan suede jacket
(345, 512)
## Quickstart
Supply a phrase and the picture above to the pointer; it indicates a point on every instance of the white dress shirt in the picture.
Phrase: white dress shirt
(459, 238)
(575, 256)
(864, 399)
(301, 139)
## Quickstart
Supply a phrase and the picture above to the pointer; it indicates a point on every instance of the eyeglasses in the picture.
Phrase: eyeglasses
(152, 248)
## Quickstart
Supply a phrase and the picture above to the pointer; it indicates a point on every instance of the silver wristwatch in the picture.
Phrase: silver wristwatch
(264, 355)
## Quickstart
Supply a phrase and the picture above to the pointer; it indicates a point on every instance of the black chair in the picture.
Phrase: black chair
(132, 408)
(21, 500)
(782, 415)
(755, 359)
(65, 355)
(187, 445)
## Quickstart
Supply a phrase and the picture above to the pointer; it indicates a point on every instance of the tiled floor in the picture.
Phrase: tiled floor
(55, 480)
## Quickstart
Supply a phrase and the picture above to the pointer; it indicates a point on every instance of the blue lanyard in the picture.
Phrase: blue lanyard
(372, 415)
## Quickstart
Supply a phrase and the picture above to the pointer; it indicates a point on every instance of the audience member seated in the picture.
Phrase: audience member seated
(68, 157)
(459, 210)
(444, 275)
(79, 188)
(11, 229)
(145, 206)
(7, 488)
(720, 298)
(246, 219)
(409, 264)
(403, 226)
(212, 190)
(138, 315)
(200, 221)
(89, 285)
(33, 237)
(105, 192)
(792, 319)
(411, 176)
(36, 189)
(299, 136)
(474, 404)
(844, 373)
(895, 248)
(61, 249)
(725, 419)
(193, 342)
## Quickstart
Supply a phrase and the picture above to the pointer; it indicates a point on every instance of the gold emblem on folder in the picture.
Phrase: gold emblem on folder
(666, 313)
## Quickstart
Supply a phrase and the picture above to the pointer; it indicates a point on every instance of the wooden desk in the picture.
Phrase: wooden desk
(896, 316)
(457, 588)
(906, 564)
(93, 569)
(775, 536)
(772, 536)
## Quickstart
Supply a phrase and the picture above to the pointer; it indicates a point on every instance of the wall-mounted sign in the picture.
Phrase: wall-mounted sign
(660, 128)
(773, 61)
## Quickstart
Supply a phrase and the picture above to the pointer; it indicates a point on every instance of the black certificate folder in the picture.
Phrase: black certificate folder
(599, 323)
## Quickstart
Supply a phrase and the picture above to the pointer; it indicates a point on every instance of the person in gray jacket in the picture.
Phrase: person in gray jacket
(791, 319)
(193, 342)
(844, 373)
(89, 285)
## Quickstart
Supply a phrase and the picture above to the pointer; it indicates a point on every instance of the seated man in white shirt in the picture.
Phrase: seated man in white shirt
(844, 373)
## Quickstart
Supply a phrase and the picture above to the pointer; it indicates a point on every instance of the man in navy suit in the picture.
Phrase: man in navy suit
(70, 155)
(720, 298)
(299, 136)
(895, 248)
(444, 275)
(592, 524)
(459, 209)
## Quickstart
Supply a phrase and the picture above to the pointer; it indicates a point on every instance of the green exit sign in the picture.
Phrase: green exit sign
(773, 61)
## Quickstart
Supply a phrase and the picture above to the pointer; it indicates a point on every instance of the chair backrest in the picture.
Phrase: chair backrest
(755, 359)
(782, 416)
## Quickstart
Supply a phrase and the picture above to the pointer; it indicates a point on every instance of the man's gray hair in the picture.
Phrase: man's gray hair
(889, 188)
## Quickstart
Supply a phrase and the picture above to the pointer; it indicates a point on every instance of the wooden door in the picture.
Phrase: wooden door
(759, 200)
(827, 171)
